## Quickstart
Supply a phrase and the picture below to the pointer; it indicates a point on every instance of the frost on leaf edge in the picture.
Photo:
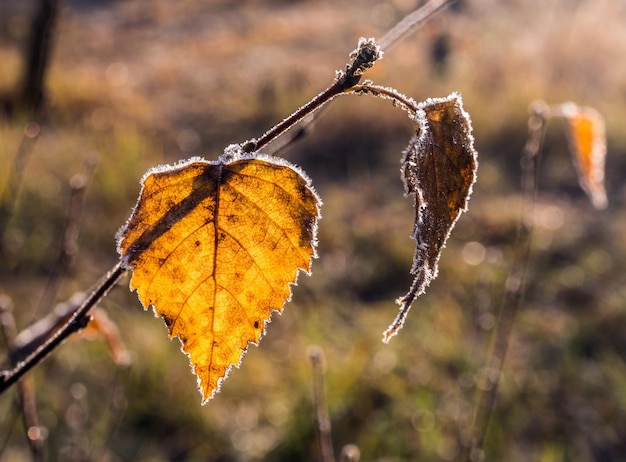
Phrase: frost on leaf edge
(418, 143)
(232, 153)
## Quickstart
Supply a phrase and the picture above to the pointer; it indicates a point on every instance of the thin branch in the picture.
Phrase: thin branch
(30, 338)
(308, 122)
(361, 59)
(302, 112)
(78, 320)
(322, 420)
(69, 248)
(304, 128)
(26, 390)
(515, 282)
(412, 21)
(406, 103)
(31, 133)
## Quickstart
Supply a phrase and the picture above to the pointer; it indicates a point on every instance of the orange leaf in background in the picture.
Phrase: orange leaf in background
(587, 141)
(102, 327)
(214, 247)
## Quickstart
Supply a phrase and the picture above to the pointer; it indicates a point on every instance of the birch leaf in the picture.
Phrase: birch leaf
(439, 169)
(214, 248)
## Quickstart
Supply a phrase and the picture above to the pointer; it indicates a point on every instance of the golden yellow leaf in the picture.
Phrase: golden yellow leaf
(587, 141)
(214, 247)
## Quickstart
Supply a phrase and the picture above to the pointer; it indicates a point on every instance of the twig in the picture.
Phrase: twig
(407, 25)
(514, 286)
(69, 248)
(406, 103)
(412, 21)
(322, 420)
(78, 320)
(29, 339)
(30, 136)
(361, 59)
(26, 391)
(304, 128)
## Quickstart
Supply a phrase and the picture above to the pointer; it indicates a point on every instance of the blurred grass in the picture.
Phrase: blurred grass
(138, 86)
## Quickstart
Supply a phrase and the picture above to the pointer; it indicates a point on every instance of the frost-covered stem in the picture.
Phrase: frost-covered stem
(310, 107)
(406, 103)
(78, 321)
(514, 286)
(362, 59)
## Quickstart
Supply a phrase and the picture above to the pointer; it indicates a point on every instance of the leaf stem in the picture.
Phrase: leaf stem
(406, 103)
(78, 321)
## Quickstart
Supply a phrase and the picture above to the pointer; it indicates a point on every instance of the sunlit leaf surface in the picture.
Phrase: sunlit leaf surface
(214, 247)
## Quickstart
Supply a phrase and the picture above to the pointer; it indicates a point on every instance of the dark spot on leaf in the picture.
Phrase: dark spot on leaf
(168, 320)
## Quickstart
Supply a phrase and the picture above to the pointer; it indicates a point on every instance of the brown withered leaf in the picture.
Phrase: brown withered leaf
(103, 327)
(587, 141)
(214, 248)
(439, 168)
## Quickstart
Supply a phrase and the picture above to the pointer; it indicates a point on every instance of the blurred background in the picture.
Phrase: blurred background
(131, 84)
